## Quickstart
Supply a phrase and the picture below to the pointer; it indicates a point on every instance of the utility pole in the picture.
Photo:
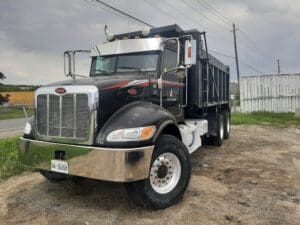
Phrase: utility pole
(278, 66)
(236, 56)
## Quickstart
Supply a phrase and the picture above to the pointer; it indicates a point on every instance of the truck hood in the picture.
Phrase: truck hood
(106, 82)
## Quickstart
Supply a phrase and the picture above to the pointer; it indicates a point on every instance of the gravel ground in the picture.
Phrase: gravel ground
(254, 178)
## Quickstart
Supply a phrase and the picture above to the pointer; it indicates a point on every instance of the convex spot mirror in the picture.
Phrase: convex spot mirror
(180, 72)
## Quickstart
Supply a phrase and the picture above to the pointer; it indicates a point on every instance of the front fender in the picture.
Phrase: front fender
(135, 114)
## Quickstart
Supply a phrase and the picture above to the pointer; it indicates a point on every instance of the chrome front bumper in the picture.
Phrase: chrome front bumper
(110, 164)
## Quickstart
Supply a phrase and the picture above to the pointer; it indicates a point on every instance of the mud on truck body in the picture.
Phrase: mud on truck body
(151, 99)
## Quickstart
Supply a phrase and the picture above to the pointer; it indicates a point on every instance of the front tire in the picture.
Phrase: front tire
(169, 175)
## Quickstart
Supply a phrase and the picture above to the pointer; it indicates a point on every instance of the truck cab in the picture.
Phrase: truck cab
(151, 98)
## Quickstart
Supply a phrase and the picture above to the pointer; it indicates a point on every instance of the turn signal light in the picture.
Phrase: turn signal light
(147, 132)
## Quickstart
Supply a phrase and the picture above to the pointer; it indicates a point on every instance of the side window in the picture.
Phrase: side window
(105, 64)
(169, 59)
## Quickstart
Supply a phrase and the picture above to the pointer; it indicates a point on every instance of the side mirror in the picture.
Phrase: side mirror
(69, 62)
(190, 52)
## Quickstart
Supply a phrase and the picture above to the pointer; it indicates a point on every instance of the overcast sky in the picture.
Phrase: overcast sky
(35, 33)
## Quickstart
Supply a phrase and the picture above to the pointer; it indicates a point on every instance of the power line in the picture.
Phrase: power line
(97, 5)
(110, 7)
(218, 12)
(224, 19)
(222, 54)
(183, 15)
(242, 62)
(214, 11)
(107, 10)
(227, 21)
(202, 15)
(253, 44)
(252, 51)
(163, 11)
(252, 67)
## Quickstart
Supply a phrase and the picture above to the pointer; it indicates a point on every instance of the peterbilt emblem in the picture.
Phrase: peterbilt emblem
(60, 91)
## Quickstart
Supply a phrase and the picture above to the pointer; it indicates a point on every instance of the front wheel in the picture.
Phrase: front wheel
(169, 175)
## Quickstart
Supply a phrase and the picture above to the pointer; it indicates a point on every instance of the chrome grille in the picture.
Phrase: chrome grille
(66, 116)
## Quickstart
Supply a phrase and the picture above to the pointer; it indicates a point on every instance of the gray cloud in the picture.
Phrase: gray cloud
(34, 34)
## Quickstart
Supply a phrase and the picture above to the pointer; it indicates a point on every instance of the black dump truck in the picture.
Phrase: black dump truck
(151, 99)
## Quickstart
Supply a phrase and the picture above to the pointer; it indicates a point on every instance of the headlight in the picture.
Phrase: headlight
(131, 134)
(27, 129)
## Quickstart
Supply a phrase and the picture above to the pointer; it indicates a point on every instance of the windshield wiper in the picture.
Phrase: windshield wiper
(130, 68)
(99, 70)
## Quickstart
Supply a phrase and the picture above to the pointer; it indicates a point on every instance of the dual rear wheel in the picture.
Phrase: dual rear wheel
(223, 128)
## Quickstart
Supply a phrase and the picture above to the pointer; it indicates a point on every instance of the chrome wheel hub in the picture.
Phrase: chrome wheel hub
(165, 173)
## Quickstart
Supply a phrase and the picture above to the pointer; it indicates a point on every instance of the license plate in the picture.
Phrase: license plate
(59, 166)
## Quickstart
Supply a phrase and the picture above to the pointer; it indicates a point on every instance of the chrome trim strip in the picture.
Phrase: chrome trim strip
(129, 46)
(60, 115)
(75, 117)
(110, 164)
(48, 122)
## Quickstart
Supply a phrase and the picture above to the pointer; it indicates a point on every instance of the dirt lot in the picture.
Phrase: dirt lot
(253, 179)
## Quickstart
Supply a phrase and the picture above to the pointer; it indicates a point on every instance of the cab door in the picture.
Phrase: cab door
(172, 85)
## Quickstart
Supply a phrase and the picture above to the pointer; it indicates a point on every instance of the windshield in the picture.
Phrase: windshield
(138, 62)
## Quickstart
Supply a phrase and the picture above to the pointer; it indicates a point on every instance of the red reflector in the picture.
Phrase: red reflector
(132, 91)
(60, 90)
(190, 52)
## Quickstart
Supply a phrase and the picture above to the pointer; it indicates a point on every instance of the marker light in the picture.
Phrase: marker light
(146, 31)
(27, 129)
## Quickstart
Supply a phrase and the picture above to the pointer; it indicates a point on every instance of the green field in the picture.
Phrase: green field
(266, 119)
(12, 87)
(9, 158)
(12, 113)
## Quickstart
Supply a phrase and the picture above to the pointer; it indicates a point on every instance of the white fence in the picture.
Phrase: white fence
(272, 93)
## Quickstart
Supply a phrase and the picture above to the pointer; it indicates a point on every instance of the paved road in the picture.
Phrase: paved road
(11, 127)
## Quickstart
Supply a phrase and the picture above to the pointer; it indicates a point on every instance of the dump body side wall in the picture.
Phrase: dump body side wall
(217, 77)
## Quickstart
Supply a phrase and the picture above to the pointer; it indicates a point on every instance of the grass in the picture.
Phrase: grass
(266, 118)
(12, 113)
(9, 158)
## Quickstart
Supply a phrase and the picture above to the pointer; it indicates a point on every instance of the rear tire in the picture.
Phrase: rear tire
(218, 139)
(170, 172)
(227, 124)
(53, 177)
